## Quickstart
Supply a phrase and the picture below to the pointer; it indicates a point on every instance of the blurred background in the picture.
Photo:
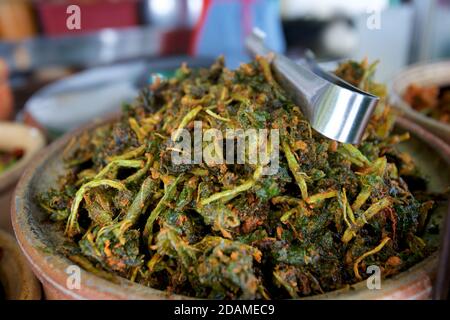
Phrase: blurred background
(119, 43)
(64, 63)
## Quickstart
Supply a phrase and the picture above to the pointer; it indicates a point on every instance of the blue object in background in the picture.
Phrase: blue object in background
(224, 24)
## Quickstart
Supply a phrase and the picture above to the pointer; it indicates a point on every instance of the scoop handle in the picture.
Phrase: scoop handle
(334, 108)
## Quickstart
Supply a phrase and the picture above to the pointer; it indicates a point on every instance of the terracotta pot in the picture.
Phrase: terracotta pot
(39, 238)
(16, 277)
(15, 136)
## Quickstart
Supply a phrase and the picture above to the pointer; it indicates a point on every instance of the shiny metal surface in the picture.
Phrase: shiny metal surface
(334, 108)
(87, 50)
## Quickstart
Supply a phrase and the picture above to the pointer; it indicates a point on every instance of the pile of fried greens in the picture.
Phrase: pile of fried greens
(224, 231)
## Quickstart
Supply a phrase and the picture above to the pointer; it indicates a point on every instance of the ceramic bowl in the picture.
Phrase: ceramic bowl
(39, 238)
(13, 136)
(425, 74)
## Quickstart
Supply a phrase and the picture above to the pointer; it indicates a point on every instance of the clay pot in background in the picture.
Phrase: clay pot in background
(6, 97)
(422, 74)
(16, 277)
(15, 136)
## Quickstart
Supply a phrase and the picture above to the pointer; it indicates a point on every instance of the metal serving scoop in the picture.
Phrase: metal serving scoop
(334, 107)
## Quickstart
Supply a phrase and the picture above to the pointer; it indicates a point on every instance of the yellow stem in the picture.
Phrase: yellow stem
(368, 253)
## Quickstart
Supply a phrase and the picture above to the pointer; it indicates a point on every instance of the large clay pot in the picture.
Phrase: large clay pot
(39, 238)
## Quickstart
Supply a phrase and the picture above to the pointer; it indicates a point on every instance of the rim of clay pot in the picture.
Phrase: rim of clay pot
(50, 267)
(16, 277)
(435, 73)
(16, 135)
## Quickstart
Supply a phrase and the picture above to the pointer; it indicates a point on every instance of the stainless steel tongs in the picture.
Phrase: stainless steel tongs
(334, 107)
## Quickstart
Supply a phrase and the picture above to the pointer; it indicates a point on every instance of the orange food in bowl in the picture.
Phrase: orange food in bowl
(430, 100)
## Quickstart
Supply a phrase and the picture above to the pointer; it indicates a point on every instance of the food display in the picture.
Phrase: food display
(9, 158)
(432, 101)
(228, 231)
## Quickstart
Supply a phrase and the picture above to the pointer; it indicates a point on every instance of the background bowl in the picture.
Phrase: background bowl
(74, 101)
(425, 74)
(13, 136)
(39, 238)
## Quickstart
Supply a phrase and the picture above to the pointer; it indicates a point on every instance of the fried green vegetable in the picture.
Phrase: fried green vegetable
(227, 230)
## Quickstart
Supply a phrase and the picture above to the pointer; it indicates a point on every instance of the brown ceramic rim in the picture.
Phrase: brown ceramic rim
(414, 283)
